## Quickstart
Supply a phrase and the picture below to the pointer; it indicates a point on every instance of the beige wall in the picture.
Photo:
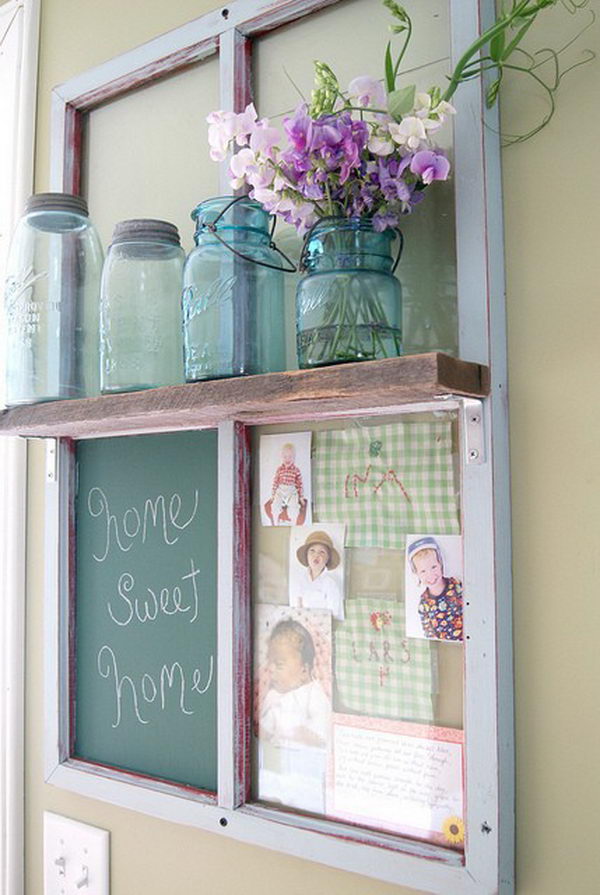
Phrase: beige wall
(553, 270)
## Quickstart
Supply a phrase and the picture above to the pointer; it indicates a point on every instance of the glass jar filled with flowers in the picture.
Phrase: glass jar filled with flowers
(350, 164)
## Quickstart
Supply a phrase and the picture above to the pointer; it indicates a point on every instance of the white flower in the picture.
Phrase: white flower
(422, 105)
(433, 117)
(220, 133)
(241, 164)
(245, 167)
(443, 108)
(365, 91)
(224, 127)
(269, 199)
(264, 139)
(245, 123)
(381, 143)
(410, 132)
(261, 176)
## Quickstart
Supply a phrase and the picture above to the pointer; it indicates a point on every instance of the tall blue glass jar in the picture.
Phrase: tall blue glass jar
(233, 305)
(349, 303)
(51, 301)
(140, 308)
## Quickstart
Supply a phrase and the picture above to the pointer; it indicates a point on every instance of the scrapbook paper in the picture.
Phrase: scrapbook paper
(405, 778)
(385, 481)
(378, 670)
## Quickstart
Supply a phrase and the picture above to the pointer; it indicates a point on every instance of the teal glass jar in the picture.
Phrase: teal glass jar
(349, 303)
(233, 304)
(51, 300)
(140, 307)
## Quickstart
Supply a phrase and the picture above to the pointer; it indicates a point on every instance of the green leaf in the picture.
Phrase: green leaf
(390, 80)
(497, 46)
(518, 38)
(400, 102)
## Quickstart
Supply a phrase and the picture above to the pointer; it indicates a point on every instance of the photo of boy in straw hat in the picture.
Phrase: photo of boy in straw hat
(317, 569)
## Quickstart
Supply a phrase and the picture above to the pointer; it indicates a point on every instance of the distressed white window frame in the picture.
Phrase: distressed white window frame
(488, 864)
(19, 27)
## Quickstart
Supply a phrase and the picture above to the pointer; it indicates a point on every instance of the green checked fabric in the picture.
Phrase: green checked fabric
(386, 481)
(378, 670)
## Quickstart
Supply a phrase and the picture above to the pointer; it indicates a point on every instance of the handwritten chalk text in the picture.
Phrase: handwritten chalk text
(122, 531)
(159, 691)
(147, 609)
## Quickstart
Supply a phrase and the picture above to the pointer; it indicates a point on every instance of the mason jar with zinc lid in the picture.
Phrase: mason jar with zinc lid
(140, 308)
(233, 303)
(51, 301)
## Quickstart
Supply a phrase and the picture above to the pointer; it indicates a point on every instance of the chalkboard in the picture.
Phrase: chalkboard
(145, 645)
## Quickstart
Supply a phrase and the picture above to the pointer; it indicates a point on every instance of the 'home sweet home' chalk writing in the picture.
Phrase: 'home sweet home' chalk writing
(156, 520)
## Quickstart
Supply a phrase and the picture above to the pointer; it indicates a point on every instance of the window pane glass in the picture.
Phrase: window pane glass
(357, 608)
(147, 152)
(283, 75)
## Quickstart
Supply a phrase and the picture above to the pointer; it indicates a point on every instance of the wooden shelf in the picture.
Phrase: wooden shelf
(270, 397)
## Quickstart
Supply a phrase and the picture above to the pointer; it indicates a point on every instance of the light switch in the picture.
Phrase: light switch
(75, 857)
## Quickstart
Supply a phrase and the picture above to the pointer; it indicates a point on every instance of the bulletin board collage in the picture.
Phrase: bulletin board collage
(358, 623)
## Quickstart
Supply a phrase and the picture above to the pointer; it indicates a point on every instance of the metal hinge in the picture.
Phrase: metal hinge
(473, 431)
(51, 460)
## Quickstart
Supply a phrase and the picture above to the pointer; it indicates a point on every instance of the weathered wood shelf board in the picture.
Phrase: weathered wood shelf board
(271, 397)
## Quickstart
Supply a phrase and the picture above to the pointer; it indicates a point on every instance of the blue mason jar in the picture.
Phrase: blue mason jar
(349, 303)
(140, 307)
(51, 298)
(233, 304)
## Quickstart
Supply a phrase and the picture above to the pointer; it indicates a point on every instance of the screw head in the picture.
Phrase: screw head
(473, 454)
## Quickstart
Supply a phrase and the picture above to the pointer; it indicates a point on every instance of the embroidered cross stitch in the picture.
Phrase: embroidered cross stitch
(376, 672)
(406, 485)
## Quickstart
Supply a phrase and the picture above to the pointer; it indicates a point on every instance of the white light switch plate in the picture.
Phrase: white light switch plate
(75, 857)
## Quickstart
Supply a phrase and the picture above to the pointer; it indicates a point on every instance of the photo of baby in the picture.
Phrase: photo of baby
(434, 593)
(285, 480)
(317, 568)
(293, 706)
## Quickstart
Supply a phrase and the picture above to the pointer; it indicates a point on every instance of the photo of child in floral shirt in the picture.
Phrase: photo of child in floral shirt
(440, 606)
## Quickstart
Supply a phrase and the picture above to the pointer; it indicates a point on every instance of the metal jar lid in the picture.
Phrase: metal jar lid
(145, 230)
(57, 202)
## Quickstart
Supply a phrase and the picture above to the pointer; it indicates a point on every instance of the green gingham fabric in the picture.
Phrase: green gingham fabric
(386, 481)
(378, 670)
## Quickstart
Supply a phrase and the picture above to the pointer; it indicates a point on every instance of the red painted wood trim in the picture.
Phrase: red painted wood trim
(242, 671)
(243, 92)
(71, 559)
(147, 74)
(278, 14)
(116, 773)
(72, 149)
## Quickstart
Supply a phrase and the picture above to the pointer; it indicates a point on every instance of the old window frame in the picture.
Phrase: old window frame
(488, 709)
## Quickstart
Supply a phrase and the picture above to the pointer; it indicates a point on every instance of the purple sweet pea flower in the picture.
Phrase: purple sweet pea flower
(299, 128)
(309, 189)
(430, 166)
(384, 219)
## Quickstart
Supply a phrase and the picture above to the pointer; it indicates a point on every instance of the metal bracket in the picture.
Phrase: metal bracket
(473, 431)
(51, 460)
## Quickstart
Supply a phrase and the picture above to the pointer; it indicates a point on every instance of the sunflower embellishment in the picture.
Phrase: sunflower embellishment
(453, 829)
